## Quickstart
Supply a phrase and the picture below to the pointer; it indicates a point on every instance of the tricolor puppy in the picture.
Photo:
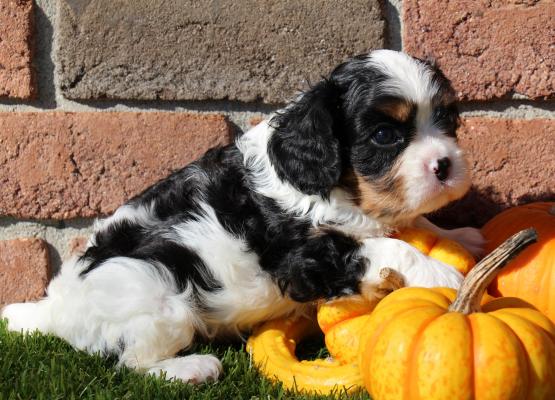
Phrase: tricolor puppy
(296, 210)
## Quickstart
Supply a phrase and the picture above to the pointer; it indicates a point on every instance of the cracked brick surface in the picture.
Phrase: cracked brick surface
(245, 50)
(16, 49)
(512, 162)
(25, 270)
(65, 165)
(489, 49)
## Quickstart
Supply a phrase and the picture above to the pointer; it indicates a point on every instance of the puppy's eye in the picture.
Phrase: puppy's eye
(386, 136)
(445, 114)
(441, 113)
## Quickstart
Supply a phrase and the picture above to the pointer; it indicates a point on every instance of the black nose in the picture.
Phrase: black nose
(442, 169)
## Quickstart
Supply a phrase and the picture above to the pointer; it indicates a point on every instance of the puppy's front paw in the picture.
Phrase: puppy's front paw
(415, 268)
(471, 239)
(388, 281)
(432, 273)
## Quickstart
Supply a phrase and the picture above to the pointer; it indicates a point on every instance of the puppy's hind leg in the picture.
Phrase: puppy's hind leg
(194, 368)
(151, 354)
(151, 320)
(126, 307)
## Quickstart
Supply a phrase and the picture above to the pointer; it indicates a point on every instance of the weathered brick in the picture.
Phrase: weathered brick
(188, 49)
(512, 161)
(64, 165)
(24, 269)
(16, 48)
(488, 49)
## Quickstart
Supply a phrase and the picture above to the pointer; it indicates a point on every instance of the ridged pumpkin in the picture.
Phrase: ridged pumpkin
(530, 276)
(272, 345)
(437, 344)
(342, 320)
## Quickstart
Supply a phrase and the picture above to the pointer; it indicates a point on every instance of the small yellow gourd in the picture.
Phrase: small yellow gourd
(272, 348)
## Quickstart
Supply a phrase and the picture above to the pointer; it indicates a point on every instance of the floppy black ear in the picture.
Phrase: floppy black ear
(303, 148)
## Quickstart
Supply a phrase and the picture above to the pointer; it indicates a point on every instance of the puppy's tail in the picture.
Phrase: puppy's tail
(26, 317)
(40, 315)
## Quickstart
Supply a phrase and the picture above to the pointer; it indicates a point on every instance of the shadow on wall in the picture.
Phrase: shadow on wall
(479, 206)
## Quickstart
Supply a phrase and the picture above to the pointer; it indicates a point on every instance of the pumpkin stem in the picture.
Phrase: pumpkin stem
(476, 282)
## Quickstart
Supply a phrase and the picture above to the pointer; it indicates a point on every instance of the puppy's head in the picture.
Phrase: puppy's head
(382, 126)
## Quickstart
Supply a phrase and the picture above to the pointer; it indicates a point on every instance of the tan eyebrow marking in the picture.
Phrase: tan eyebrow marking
(400, 110)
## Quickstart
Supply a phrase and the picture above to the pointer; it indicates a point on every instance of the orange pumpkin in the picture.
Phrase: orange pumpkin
(531, 275)
(428, 344)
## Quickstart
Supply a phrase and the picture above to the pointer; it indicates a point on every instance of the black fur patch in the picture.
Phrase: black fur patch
(304, 150)
(176, 200)
(324, 266)
(124, 239)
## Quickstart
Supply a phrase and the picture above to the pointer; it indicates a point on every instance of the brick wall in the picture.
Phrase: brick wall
(100, 99)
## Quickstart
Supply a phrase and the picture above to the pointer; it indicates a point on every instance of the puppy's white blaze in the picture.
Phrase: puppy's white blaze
(407, 77)
(339, 210)
(423, 191)
(248, 294)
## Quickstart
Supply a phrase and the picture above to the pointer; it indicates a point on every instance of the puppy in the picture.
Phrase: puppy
(297, 209)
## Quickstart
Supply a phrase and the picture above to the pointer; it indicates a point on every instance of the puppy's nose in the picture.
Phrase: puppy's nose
(442, 168)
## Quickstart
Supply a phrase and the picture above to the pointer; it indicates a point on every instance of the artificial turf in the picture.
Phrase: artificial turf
(37, 366)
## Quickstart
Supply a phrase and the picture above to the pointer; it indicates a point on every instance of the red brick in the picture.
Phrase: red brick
(512, 161)
(64, 165)
(488, 49)
(25, 270)
(16, 49)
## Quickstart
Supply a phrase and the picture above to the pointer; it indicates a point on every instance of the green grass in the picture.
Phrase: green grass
(38, 367)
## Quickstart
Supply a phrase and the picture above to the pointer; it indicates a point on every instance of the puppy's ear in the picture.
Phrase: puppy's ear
(303, 149)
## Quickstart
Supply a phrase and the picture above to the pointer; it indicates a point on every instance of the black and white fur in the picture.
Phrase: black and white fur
(296, 210)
